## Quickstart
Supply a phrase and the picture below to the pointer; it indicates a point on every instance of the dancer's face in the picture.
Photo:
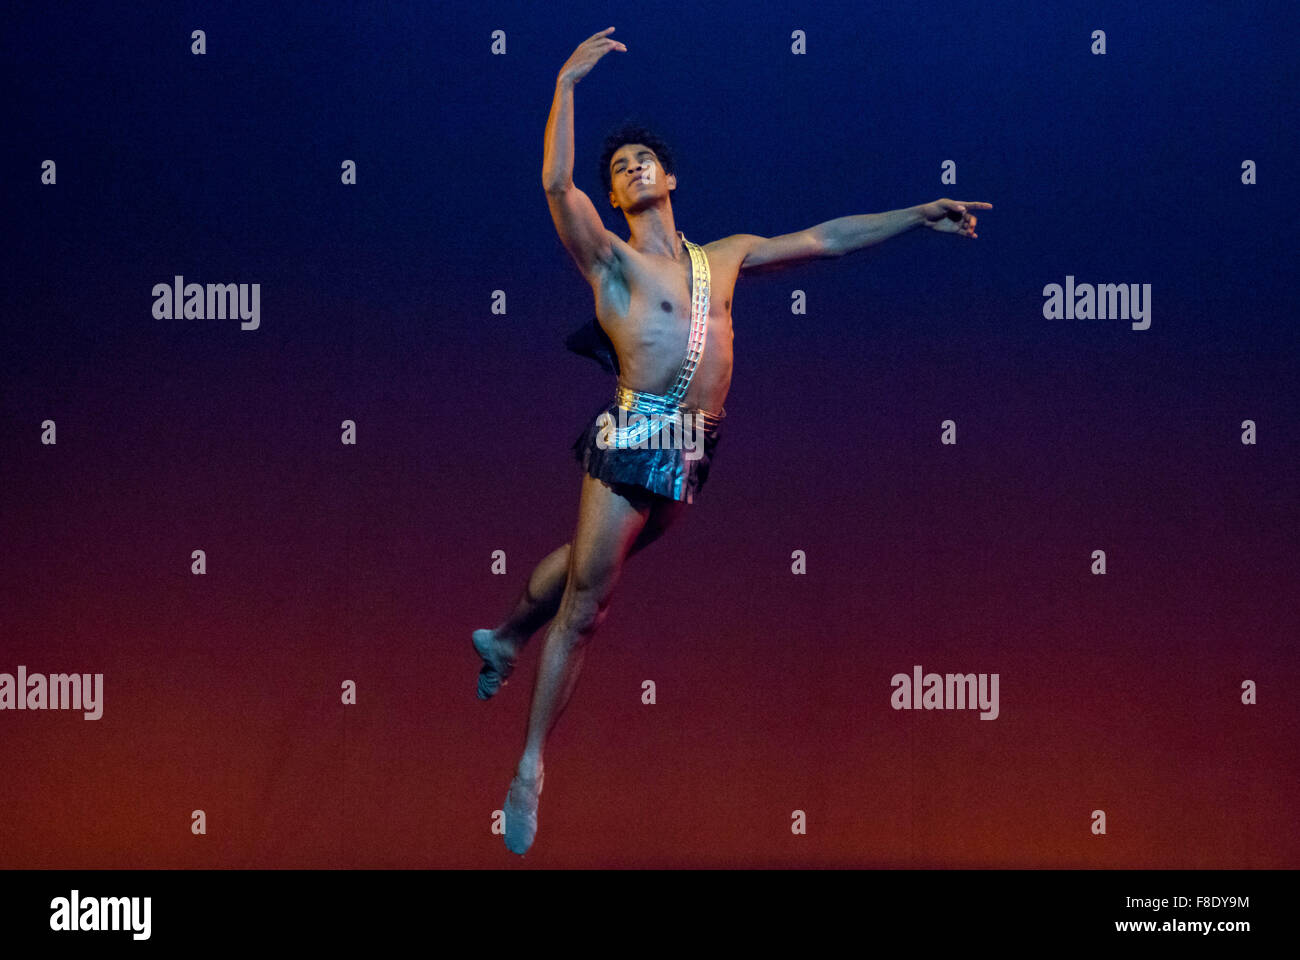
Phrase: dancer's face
(637, 178)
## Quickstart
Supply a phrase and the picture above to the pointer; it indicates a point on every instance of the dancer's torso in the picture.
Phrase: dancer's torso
(651, 340)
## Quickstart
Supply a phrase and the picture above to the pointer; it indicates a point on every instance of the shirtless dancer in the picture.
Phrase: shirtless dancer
(647, 290)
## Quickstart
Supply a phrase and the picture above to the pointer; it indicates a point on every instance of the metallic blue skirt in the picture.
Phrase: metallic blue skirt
(635, 472)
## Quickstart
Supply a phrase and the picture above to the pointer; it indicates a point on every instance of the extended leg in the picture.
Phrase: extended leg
(608, 526)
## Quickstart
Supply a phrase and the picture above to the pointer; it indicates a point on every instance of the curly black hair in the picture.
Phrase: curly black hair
(633, 132)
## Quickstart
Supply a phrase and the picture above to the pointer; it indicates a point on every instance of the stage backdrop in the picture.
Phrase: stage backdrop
(844, 538)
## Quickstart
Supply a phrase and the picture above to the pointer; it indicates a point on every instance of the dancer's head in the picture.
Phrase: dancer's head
(637, 168)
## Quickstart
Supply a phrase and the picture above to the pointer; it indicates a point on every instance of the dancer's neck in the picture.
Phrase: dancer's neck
(654, 232)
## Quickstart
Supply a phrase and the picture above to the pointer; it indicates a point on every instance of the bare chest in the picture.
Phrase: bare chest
(649, 301)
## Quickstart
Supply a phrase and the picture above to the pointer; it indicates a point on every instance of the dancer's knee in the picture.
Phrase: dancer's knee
(581, 613)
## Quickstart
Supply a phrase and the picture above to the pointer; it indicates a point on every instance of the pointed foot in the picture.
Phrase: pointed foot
(521, 805)
(498, 663)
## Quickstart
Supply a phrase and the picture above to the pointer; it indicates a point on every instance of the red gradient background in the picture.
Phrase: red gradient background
(372, 563)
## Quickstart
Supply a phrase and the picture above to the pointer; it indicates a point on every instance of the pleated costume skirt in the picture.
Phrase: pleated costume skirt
(644, 472)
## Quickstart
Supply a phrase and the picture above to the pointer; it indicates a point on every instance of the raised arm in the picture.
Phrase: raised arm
(576, 219)
(834, 238)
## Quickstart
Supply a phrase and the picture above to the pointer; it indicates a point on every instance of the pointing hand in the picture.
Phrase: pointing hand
(953, 216)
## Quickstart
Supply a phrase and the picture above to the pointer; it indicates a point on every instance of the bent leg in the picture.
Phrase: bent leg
(499, 648)
(538, 601)
(544, 589)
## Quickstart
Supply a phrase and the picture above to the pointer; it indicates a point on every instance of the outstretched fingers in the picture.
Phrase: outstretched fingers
(609, 44)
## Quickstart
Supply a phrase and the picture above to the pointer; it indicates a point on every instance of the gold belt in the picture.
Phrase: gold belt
(635, 401)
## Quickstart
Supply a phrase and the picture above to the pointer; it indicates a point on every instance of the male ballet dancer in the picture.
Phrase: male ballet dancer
(657, 295)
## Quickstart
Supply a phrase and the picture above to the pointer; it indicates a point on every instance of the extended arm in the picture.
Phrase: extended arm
(576, 219)
(834, 238)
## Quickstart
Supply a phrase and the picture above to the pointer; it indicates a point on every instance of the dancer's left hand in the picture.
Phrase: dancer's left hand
(953, 216)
